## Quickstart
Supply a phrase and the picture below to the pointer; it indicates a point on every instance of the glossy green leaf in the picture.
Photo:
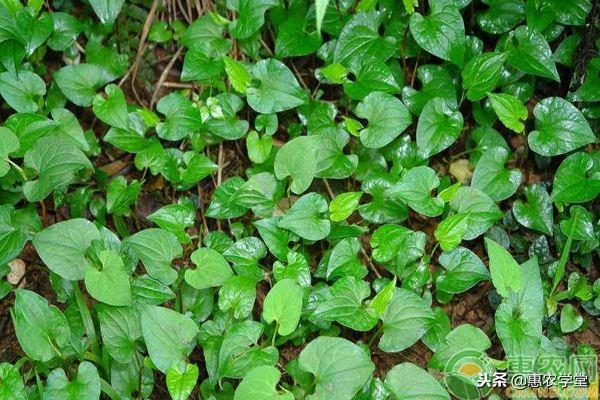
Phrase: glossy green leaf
(283, 304)
(577, 179)
(570, 319)
(175, 218)
(184, 170)
(439, 327)
(206, 32)
(435, 82)
(387, 117)
(519, 318)
(464, 338)
(490, 175)
(529, 52)
(297, 268)
(463, 270)
(480, 209)
(156, 248)
(251, 16)
(9, 143)
(109, 285)
(112, 109)
(571, 12)
(339, 366)
(396, 242)
(181, 381)
(409, 382)
(199, 65)
(80, 82)
(501, 16)
(343, 260)
(120, 195)
(307, 217)
(261, 383)
(506, 273)
(451, 231)
(107, 10)
(222, 204)
(46, 158)
(24, 93)
(345, 304)
(182, 118)
(42, 329)
(291, 161)
(415, 188)
(343, 205)
(238, 74)
(383, 298)
(372, 77)
(63, 247)
(275, 238)
(360, 43)
(536, 212)
(441, 33)
(168, 335)
(295, 40)
(404, 322)
(11, 383)
(120, 327)
(320, 9)
(439, 126)
(237, 295)
(259, 147)
(580, 223)
(481, 74)
(559, 128)
(85, 385)
(212, 270)
(277, 88)
(510, 111)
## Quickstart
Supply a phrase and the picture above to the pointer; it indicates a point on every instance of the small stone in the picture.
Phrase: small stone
(461, 170)
(17, 271)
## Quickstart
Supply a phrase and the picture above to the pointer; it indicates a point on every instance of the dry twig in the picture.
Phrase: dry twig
(164, 75)
(141, 48)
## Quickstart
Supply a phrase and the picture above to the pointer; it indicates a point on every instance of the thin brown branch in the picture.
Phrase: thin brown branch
(202, 217)
(220, 163)
(329, 191)
(266, 46)
(178, 85)
(304, 85)
(184, 12)
(142, 47)
(364, 253)
(164, 75)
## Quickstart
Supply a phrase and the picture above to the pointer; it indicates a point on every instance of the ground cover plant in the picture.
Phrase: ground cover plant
(269, 199)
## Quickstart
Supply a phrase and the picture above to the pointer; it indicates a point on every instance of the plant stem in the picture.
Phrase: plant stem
(20, 362)
(434, 249)
(275, 333)
(19, 169)
(375, 336)
(463, 153)
(93, 358)
(462, 98)
(560, 271)
(56, 349)
(86, 317)
(38, 383)
(108, 390)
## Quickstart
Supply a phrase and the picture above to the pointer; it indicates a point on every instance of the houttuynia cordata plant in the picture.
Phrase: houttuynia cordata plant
(299, 199)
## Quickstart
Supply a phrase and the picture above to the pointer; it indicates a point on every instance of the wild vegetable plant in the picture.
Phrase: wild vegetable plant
(269, 199)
